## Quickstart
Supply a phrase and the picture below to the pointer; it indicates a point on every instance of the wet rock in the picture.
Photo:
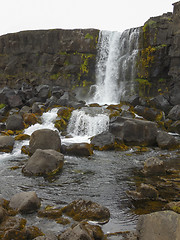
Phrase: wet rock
(14, 101)
(134, 100)
(44, 162)
(174, 114)
(83, 231)
(148, 191)
(6, 143)
(153, 166)
(64, 112)
(84, 209)
(78, 149)
(3, 214)
(166, 141)
(36, 108)
(175, 127)
(25, 149)
(25, 202)
(43, 92)
(30, 118)
(159, 226)
(32, 232)
(103, 141)
(44, 139)
(48, 236)
(15, 122)
(21, 137)
(25, 109)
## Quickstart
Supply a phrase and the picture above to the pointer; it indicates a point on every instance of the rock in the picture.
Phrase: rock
(139, 132)
(15, 122)
(150, 114)
(83, 231)
(159, 226)
(166, 141)
(134, 100)
(153, 166)
(36, 108)
(48, 236)
(21, 137)
(103, 141)
(160, 102)
(32, 232)
(44, 139)
(174, 114)
(78, 149)
(148, 191)
(25, 202)
(43, 92)
(175, 127)
(24, 109)
(64, 112)
(6, 143)
(174, 206)
(84, 209)
(25, 149)
(14, 101)
(30, 118)
(44, 162)
(3, 214)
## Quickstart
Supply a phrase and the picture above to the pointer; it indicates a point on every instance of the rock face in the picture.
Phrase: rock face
(159, 226)
(65, 58)
(25, 202)
(44, 139)
(44, 162)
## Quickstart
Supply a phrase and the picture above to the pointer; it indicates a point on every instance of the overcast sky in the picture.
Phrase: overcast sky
(115, 15)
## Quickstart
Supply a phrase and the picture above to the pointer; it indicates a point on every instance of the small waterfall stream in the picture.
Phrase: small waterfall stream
(115, 69)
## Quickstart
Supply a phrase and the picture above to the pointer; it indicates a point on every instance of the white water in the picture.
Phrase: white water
(115, 68)
(86, 125)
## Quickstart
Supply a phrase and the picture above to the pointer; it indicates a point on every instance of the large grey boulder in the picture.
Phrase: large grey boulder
(44, 162)
(25, 202)
(44, 139)
(139, 132)
(15, 122)
(6, 143)
(163, 225)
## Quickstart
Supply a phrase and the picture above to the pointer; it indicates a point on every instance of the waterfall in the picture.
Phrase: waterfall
(88, 122)
(115, 67)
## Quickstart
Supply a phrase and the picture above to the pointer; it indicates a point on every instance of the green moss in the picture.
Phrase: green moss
(144, 86)
(55, 76)
(89, 36)
(2, 105)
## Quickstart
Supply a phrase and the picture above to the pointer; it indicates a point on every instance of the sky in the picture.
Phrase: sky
(114, 15)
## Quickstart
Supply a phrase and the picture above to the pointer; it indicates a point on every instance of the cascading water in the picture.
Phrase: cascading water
(115, 69)
(86, 123)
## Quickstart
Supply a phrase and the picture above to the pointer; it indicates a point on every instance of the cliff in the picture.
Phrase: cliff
(54, 57)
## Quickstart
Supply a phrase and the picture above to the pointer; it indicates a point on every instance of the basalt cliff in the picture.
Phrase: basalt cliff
(67, 58)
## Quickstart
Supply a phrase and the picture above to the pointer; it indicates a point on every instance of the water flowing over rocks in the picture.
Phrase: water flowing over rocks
(44, 162)
(44, 139)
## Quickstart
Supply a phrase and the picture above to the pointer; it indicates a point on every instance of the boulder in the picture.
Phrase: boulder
(174, 206)
(14, 101)
(43, 92)
(166, 141)
(148, 191)
(160, 102)
(6, 143)
(159, 226)
(44, 139)
(175, 127)
(150, 114)
(36, 108)
(83, 209)
(153, 166)
(78, 149)
(44, 162)
(25, 202)
(83, 231)
(139, 132)
(48, 236)
(174, 114)
(25, 109)
(30, 118)
(103, 141)
(15, 122)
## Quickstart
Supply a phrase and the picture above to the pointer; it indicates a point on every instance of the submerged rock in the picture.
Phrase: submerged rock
(44, 139)
(6, 143)
(44, 162)
(25, 202)
(153, 166)
(84, 209)
(159, 226)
